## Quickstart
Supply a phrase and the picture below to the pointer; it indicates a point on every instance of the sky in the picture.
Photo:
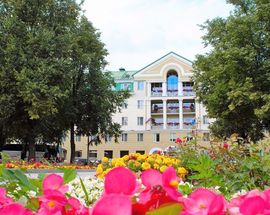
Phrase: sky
(138, 32)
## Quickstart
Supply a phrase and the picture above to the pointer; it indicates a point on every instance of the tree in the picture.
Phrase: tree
(91, 100)
(35, 41)
(233, 79)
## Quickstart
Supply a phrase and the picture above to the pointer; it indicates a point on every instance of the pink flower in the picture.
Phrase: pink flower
(4, 200)
(113, 204)
(52, 202)
(225, 145)
(152, 180)
(74, 207)
(120, 180)
(15, 209)
(54, 182)
(254, 205)
(120, 184)
(204, 202)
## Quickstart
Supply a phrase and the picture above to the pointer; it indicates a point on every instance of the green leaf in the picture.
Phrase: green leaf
(85, 192)
(69, 175)
(167, 209)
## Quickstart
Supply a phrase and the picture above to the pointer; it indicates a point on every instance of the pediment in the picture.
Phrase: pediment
(159, 68)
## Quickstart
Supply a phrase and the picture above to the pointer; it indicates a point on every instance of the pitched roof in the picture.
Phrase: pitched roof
(122, 74)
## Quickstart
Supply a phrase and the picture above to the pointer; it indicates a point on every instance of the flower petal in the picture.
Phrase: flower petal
(151, 178)
(112, 204)
(169, 175)
(120, 180)
(253, 205)
(52, 182)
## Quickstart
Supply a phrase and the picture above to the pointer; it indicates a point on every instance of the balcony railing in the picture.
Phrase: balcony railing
(188, 91)
(156, 91)
(173, 109)
(157, 125)
(189, 108)
(173, 125)
(172, 92)
(157, 108)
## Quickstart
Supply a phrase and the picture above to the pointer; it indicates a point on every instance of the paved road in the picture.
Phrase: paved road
(80, 173)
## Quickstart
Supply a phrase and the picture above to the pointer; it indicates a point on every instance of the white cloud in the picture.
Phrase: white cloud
(137, 32)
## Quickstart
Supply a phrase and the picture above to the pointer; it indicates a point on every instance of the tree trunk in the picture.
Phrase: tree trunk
(32, 148)
(72, 144)
(2, 138)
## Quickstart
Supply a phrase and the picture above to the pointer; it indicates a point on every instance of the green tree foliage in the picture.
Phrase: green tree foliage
(233, 79)
(91, 100)
(51, 59)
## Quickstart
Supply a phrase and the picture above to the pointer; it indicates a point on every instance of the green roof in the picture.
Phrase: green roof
(122, 74)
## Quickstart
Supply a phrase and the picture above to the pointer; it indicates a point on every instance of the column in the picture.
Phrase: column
(180, 88)
(181, 113)
(148, 89)
(164, 114)
(148, 114)
(164, 89)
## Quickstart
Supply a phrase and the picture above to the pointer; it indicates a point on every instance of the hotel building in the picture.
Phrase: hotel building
(162, 107)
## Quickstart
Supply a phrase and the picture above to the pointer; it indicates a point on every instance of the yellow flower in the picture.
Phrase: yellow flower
(182, 171)
(137, 164)
(156, 166)
(119, 163)
(163, 168)
(125, 158)
(104, 160)
(159, 161)
(146, 165)
(99, 169)
(150, 160)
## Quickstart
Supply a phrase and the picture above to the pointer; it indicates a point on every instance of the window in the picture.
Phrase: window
(108, 154)
(140, 85)
(124, 137)
(124, 105)
(140, 152)
(172, 137)
(140, 137)
(140, 120)
(78, 138)
(78, 154)
(205, 120)
(140, 104)
(92, 154)
(156, 137)
(123, 153)
(206, 136)
(124, 120)
(125, 86)
(172, 82)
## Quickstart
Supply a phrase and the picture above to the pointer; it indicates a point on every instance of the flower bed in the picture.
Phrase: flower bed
(137, 163)
(40, 165)
(155, 193)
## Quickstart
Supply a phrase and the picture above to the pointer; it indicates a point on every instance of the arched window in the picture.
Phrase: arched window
(172, 82)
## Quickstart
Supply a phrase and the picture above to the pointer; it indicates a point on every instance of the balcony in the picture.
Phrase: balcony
(188, 91)
(156, 89)
(172, 92)
(173, 107)
(173, 125)
(188, 108)
(156, 108)
(157, 126)
(189, 123)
